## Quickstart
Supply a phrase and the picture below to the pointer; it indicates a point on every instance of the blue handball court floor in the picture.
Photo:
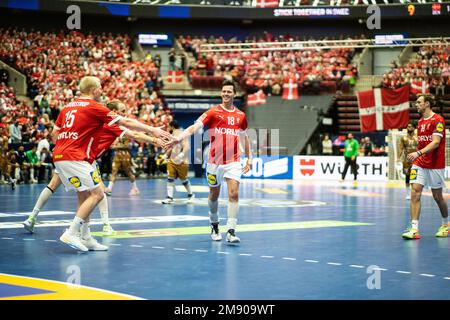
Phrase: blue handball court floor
(299, 241)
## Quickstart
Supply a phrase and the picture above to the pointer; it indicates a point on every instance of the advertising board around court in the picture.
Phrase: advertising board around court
(315, 168)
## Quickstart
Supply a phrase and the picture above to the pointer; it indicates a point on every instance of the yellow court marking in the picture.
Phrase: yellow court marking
(357, 193)
(271, 190)
(61, 290)
(188, 231)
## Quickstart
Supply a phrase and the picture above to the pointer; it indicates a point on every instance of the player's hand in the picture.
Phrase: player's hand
(413, 156)
(353, 158)
(247, 166)
(161, 134)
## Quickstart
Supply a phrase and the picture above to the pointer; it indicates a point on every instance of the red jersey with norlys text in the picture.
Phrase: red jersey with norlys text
(77, 123)
(224, 127)
(426, 128)
(102, 140)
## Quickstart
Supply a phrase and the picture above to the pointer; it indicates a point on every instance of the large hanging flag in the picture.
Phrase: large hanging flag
(383, 109)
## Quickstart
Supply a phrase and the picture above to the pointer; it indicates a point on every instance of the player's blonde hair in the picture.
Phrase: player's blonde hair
(88, 84)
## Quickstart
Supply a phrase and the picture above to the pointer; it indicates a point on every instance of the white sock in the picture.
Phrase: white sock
(170, 189)
(233, 210)
(134, 185)
(41, 201)
(445, 221)
(213, 211)
(17, 173)
(31, 173)
(103, 207)
(111, 184)
(415, 224)
(76, 225)
(187, 185)
(85, 230)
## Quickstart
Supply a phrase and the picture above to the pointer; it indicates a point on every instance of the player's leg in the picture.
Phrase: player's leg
(103, 204)
(182, 171)
(347, 164)
(113, 177)
(418, 181)
(214, 175)
(407, 171)
(45, 194)
(171, 176)
(438, 180)
(232, 210)
(82, 177)
(126, 165)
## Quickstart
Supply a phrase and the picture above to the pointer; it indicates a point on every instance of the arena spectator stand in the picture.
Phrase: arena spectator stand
(315, 71)
(54, 63)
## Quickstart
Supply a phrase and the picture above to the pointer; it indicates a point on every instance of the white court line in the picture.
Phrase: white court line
(447, 278)
(267, 257)
(136, 245)
(50, 240)
(114, 244)
(404, 272)
(427, 275)
(334, 263)
(179, 249)
(287, 258)
(245, 254)
(223, 252)
(154, 247)
(201, 250)
(28, 239)
(356, 266)
(380, 269)
(8, 238)
(312, 261)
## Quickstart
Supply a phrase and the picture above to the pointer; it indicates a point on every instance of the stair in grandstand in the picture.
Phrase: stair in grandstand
(296, 120)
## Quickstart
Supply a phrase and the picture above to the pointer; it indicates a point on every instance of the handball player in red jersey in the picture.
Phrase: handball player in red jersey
(428, 166)
(76, 124)
(225, 125)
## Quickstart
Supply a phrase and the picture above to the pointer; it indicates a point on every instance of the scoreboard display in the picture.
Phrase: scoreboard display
(391, 11)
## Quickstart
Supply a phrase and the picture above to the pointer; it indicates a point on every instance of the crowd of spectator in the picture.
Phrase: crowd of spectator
(268, 70)
(54, 63)
(429, 73)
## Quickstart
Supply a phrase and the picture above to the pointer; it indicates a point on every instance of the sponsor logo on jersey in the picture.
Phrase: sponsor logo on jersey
(439, 127)
(212, 179)
(58, 156)
(75, 181)
(95, 177)
(413, 174)
(425, 138)
(68, 135)
(227, 131)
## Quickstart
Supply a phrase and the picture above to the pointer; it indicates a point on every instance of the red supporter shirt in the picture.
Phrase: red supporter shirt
(426, 128)
(77, 123)
(224, 128)
(102, 140)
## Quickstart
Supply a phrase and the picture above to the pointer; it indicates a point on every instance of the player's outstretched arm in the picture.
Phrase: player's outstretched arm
(187, 133)
(142, 137)
(133, 124)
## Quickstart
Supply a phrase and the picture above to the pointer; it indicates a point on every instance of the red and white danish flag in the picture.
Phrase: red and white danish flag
(256, 98)
(418, 87)
(175, 76)
(290, 89)
(266, 4)
(383, 109)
